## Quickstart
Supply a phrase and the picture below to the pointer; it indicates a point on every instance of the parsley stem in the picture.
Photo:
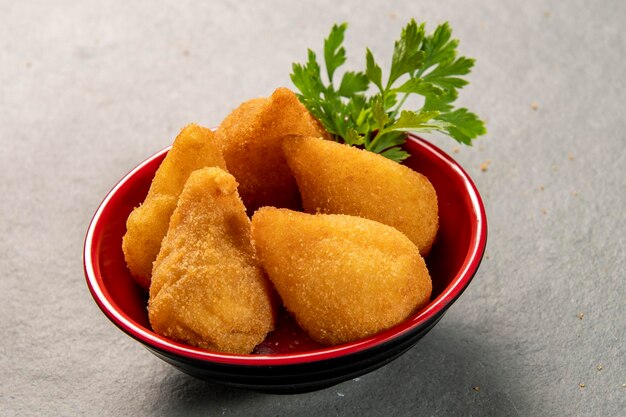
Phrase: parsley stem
(394, 113)
(374, 141)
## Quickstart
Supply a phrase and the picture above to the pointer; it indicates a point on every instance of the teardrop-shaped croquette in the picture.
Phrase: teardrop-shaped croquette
(251, 138)
(340, 179)
(207, 287)
(193, 148)
(343, 277)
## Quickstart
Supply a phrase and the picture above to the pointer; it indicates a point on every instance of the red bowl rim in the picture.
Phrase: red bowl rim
(452, 291)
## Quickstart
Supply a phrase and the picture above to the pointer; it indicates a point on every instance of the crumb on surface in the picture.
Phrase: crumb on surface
(599, 367)
(534, 105)
(581, 316)
(570, 157)
(476, 388)
(456, 149)
(582, 385)
(485, 165)
(544, 211)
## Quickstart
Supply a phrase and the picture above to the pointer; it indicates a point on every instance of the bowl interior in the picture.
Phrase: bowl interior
(452, 262)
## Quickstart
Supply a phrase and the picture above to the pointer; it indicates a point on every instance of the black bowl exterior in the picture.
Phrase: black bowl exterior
(299, 378)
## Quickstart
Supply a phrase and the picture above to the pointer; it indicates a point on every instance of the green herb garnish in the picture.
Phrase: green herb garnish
(422, 64)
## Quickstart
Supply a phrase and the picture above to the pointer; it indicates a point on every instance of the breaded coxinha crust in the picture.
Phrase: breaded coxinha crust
(251, 138)
(207, 288)
(339, 179)
(343, 277)
(193, 148)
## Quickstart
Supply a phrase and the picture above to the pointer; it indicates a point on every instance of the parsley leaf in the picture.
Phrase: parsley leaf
(334, 53)
(373, 71)
(407, 55)
(422, 64)
(352, 83)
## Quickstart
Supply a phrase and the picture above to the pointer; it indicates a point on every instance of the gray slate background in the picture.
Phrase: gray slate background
(89, 89)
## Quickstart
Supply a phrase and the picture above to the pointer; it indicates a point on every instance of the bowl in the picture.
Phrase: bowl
(288, 361)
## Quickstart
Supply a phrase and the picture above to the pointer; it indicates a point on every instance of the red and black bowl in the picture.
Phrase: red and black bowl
(288, 361)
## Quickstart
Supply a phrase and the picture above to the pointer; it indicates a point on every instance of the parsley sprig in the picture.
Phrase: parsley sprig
(422, 64)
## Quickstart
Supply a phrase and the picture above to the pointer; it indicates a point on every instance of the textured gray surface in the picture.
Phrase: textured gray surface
(88, 89)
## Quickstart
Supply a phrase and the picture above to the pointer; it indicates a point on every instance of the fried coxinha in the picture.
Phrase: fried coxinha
(207, 287)
(193, 148)
(251, 138)
(344, 275)
(339, 179)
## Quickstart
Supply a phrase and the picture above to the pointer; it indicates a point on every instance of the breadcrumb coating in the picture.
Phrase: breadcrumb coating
(207, 287)
(251, 138)
(193, 148)
(343, 277)
(339, 179)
